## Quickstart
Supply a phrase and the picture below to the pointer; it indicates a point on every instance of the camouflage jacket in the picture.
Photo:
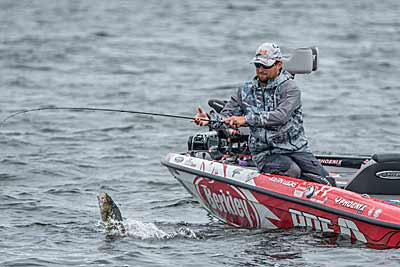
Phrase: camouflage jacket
(273, 114)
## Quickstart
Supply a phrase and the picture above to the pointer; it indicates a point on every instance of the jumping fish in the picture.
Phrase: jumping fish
(112, 220)
(110, 215)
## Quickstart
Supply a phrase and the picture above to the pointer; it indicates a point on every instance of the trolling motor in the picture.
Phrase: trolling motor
(215, 145)
(204, 141)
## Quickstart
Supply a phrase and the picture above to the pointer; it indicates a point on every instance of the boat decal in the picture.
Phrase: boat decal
(236, 171)
(250, 177)
(359, 207)
(346, 227)
(202, 166)
(304, 219)
(310, 191)
(234, 205)
(377, 213)
(331, 162)
(299, 191)
(189, 162)
(349, 228)
(372, 212)
(265, 214)
(245, 194)
(324, 190)
(388, 174)
(178, 159)
(319, 195)
(282, 181)
(218, 169)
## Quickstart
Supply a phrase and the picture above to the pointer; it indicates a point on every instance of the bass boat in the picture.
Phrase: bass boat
(364, 205)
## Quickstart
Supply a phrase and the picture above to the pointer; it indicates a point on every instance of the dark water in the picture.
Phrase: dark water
(168, 57)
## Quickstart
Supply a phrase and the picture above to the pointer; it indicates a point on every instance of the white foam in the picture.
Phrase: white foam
(143, 230)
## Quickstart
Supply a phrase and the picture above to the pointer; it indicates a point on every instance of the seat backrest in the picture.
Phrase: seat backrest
(302, 61)
(380, 176)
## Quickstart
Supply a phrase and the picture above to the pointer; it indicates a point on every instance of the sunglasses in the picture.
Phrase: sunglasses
(259, 65)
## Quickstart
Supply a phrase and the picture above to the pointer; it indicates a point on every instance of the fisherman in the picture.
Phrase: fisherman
(270, 105)
(110, 214)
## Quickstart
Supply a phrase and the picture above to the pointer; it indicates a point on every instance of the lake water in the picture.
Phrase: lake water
(169, 57)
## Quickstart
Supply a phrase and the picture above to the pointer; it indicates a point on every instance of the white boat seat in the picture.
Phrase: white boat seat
(302, 61)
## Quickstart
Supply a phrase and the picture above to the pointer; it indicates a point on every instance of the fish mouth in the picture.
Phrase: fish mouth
(102, 198)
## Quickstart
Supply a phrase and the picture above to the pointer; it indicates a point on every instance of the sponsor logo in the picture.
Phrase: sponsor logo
(388, 174)
(299, 191)
(235, 171)
(227, 202)
(251, 176)
(178, 159)
(331, 162)
(283, 181)
(359, 207)
(309, 192)
(377, 213)
(374, 212)
(189, 162)
(346, 227)
(313, 193)
(262, 52)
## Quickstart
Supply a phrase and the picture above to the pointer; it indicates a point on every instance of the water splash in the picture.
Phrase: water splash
(142, 230)
(147, 230)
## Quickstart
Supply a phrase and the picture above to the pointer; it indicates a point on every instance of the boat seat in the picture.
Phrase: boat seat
(380, 176)
(217, 104)
(302, 61)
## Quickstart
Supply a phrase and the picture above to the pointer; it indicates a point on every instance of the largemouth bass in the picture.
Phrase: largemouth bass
(110, 215)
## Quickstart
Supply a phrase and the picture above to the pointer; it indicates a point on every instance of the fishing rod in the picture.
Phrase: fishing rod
(99, 109)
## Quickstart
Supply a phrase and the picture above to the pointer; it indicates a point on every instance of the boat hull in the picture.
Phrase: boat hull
(243, 197)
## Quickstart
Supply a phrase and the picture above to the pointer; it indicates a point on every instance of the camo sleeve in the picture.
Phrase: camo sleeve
(232, 108)
(289, 101)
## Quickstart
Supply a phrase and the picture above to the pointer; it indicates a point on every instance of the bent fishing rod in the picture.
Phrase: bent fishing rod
(98, 109)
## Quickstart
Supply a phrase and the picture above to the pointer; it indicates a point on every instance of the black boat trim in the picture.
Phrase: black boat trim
(280, 196)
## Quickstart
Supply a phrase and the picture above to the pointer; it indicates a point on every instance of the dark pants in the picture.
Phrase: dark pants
(297, 164)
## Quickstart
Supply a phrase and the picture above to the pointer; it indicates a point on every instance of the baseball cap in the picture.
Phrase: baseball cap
(267, 54)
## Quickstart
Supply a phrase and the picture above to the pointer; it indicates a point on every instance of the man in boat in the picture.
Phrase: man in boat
(270, 105)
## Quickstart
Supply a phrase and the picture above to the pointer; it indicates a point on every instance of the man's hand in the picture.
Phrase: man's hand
(201, 117)
(235, 121)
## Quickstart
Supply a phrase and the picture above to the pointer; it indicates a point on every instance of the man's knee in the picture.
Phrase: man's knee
(279, 164)
(293, 171)
(309, 163)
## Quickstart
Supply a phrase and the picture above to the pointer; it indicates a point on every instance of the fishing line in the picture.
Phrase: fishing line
(98, 109)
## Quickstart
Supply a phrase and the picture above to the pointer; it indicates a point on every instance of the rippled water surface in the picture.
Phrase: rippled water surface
(168, 57)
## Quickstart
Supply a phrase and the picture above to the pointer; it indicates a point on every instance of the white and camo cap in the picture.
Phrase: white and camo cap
(267, 54)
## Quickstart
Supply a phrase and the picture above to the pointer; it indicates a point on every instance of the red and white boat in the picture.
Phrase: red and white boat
(242, 197)
(364, 206)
